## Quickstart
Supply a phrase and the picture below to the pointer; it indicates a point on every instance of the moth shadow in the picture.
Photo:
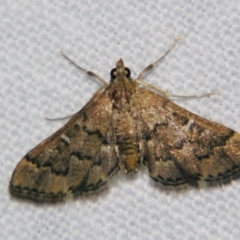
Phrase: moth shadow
(92, 196)
(185, 188)
(84, 198)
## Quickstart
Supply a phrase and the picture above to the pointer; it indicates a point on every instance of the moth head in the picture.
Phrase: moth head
(120, 70)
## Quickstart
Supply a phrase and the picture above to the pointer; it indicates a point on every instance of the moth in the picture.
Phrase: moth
(126, 123)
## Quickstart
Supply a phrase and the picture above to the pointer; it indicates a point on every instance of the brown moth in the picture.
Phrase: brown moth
(123, 125)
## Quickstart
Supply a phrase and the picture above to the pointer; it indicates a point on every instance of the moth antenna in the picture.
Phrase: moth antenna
(152, 65)
(89, 73)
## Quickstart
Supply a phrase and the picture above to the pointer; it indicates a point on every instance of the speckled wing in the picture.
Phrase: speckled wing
(183, 148)
(77, 159)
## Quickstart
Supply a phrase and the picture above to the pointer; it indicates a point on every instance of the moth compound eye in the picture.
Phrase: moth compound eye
(113, 73)
(127, 72)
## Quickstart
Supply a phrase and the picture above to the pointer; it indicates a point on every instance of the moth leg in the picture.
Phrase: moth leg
(156, 89)
(89, 73)
(193, 96)
(166, 94)
(152, 65)
(59, 118)
(69, 116)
